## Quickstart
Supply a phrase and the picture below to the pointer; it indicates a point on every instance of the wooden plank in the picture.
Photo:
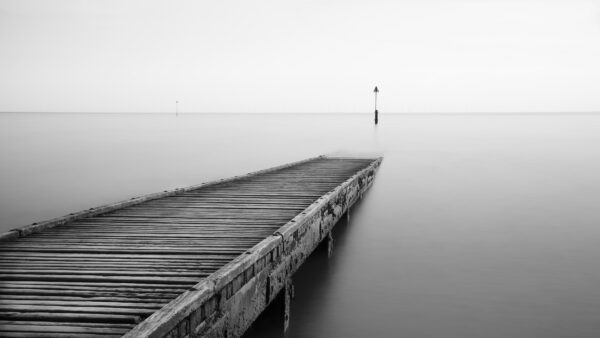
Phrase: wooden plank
(55, 335)
(110, 318)
(78, 303)
(11, 308)
(72, 329)
(91, 278)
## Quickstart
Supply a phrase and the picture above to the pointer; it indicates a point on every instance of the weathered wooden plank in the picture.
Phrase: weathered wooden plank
(68, 329)
(142, 298)
(66, 324)
(78, 303)
(123, 250)
(127, 272)
(55, 335)
(100, 286)
(110, 318)
(10, 293)
(8, 308)
(97, 278)
(72, 328)
(135, 256)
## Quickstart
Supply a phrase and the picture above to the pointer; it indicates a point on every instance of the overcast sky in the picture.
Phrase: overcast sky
(300, 56)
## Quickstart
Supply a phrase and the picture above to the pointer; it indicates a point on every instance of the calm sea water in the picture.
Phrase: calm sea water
(476, 226)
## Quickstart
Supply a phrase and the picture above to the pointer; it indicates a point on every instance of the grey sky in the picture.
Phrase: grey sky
(300, 56)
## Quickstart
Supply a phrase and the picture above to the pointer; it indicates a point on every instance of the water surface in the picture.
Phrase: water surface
(476, 226)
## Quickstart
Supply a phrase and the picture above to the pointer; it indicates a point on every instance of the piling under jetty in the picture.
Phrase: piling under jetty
(202, 261)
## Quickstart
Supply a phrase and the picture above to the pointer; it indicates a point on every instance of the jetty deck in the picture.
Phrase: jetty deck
(197, 261)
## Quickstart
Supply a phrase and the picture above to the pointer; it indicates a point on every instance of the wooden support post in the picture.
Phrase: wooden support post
(288, 296)
(348, 215)
(329, 244)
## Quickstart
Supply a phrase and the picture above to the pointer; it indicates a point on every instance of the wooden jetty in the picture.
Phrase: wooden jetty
(202, 261)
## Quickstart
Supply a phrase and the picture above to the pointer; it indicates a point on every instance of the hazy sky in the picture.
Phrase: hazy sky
(300, 56)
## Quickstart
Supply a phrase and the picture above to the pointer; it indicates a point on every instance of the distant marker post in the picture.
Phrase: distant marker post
(176, 108)
(376, 112)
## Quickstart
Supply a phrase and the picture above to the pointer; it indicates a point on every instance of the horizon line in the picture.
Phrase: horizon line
(310, 113)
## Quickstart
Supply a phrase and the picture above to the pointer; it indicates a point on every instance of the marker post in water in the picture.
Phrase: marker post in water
(376, 112)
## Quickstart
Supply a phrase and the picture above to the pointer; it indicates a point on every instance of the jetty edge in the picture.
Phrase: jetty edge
(227, 302)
